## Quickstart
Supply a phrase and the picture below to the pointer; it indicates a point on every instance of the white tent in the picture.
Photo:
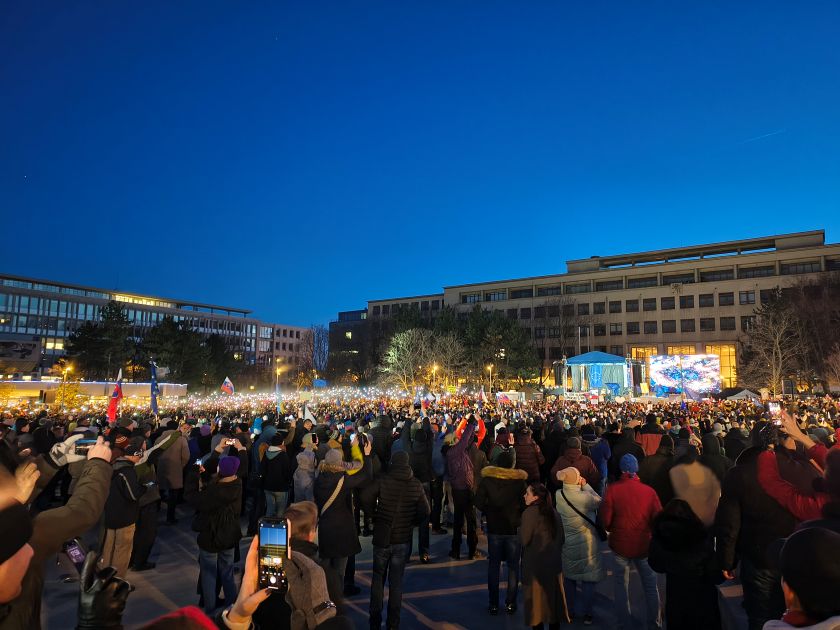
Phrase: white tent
(744, 394)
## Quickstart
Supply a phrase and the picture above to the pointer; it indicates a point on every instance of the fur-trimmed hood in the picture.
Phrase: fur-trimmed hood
(496, 472)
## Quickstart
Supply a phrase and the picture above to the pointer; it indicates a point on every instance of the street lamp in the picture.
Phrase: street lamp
(490, 369)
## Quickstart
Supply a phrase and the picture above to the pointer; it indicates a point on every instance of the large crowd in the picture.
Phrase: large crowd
(702, 492)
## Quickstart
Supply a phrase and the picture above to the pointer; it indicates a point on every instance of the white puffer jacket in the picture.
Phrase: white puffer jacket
(581, 553)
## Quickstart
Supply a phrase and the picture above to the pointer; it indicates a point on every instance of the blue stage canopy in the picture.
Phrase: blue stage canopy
(595, 357)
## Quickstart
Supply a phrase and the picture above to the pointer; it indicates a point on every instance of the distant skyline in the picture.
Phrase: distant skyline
(298, 159)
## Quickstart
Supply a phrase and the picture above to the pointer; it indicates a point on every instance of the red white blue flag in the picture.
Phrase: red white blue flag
(227, 386)
(116, 397)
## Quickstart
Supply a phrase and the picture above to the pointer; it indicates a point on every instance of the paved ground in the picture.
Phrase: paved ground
(444, 594)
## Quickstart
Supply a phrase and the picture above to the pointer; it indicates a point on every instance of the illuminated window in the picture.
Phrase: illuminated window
(685, 349)
(348, 335)
(728, 371)
(643, 352)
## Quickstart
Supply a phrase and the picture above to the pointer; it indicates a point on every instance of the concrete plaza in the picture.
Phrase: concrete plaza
(444, 594)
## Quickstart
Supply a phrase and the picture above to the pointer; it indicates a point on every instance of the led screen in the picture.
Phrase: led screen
(674, 374)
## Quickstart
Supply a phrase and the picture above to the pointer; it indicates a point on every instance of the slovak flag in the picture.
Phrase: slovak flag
(227, 386)
(482, 397)
(116, 397)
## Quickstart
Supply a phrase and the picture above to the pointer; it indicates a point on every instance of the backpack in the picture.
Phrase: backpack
(223, 530)
(307, 595)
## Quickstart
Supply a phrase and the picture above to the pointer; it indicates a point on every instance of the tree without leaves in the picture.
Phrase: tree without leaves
(101, 348)
(405, 355)
(772, 349)
(449, 355)
(320, 347)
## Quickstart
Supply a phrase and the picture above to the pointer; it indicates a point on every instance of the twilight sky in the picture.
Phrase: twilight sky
(301, 158)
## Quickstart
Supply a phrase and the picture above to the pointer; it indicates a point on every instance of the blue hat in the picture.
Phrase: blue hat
(629, 463)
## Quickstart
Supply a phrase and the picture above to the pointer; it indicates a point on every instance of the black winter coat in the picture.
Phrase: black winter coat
(381, 435)
(398, 504)
(683, 549)
(123, 505)
(276, 472)
(501, 498)
(210, 503)
(653, 471)
(627, 444)
(747, 519)
(419, 451)
(336, 527)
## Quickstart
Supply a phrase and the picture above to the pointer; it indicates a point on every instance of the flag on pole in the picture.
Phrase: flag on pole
(227, 386)
(155, 390)
(417, 404)
(116, 397)
(307, 415)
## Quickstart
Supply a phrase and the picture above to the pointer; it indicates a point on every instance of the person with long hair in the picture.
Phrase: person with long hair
(542, 539)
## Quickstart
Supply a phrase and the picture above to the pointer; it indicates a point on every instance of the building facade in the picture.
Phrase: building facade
(687, 300)
(46, 313)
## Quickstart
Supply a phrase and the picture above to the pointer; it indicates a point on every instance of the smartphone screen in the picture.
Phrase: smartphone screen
(75, 552)
(274, 550)
(81, 447)
(774, 408)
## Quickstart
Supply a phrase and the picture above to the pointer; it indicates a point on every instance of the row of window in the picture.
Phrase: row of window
(713, 275)
(423, 305)
(707, 324)
(704, 300)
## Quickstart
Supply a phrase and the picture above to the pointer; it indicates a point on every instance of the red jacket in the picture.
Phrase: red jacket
(802, 506)
(627, 513)
(573, 458)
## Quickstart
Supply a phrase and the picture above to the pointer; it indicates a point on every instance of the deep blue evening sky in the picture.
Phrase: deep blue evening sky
(301, 158)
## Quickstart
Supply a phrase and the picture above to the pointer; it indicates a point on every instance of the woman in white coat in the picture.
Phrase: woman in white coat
(581, 553)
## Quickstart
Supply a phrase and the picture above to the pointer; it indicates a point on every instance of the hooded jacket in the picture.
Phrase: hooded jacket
(574, 458)
(209, 503)
(712, 456)
(528, 455)
(276, 470)
(626, 444)
(336, 526)
(458, 463)
(304, 476)
(417, 442)
(654, 469)
(381, 435)
(501, 498)
(398, 503)
(171, 463)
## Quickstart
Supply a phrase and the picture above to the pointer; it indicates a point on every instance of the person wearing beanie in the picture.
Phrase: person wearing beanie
(810, 580)
(398, 502)
(696, 484)
(627, 513)
(599, 452)
(500, 496)
(276, 475)
(333, 492)
(217, 503)
(576, 504)
(573, 457)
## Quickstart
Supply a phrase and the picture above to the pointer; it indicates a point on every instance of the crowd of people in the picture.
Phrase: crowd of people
(699, 492)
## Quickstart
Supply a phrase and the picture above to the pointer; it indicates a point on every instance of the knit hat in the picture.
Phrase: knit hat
(205, 430)
(573, 442)
(121, 442)
(16, 525)
(629, 463)
(228, 466)
(587, 429)
(278, 439)
(135, 446)
(333, 457)
(125, 421)
(570, 475)
(505, 459)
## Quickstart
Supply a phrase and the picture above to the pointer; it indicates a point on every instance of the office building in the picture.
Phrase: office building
(685, 300)
(38, 316)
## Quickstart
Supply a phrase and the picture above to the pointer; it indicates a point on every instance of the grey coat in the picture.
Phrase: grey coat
(171, 463)
(581, 555)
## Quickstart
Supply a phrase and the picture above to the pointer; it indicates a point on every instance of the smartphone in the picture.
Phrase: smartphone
(230, 442)
(81, 447)
(274, 551)
(75, 551)
(198, 462)
(774, 408)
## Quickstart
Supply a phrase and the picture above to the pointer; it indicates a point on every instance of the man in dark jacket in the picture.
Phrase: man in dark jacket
(653, 471)
(123, 505)
(400, 504)
(627, 444)
(461, 478)
(747, 521)
(417, 442)
(381, 435)
(713, 458)
(735, 443)
(500, 496)
(276, 475)
(573, 457)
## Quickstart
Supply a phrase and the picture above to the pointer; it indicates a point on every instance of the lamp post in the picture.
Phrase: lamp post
(490, 369)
